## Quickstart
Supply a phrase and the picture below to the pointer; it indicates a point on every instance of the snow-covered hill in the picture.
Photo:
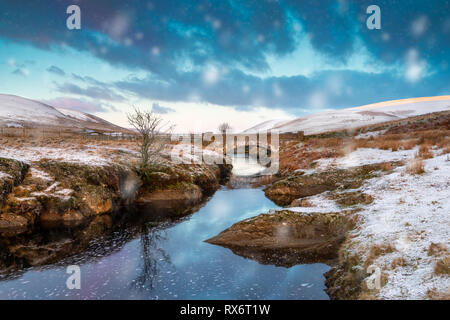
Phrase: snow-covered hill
(20, 112)
(359, 116)
(267, 125)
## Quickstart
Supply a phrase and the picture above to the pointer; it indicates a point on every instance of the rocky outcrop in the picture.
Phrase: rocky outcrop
(176, 188)
(12, 172)
(61, 194)
(286, 238)
(178, 200)
(56, 209)
(299, 185)
(52, 245)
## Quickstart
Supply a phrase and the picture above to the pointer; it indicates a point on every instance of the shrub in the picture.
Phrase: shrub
(408, 144)
(437, 249)
(442, 267)
(399, 262)
(378, 251)
(425, 152)
(415, 166)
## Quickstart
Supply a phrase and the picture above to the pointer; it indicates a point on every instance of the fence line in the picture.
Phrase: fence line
(64, 133)
(109, 135)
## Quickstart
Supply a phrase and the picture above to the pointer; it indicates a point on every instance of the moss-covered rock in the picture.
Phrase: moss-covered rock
(283, 192)
(346, 199)
(12, 173)
(57, 193)
(287, 238)
(179, 199)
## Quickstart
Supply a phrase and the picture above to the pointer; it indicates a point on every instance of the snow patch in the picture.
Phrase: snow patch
(410, 212)
(356, 117)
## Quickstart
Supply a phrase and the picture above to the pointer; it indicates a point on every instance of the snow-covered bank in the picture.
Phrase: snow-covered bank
(411, 212)
(403, 223)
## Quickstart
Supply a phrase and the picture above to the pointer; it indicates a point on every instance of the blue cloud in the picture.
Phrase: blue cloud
(174, 42)
(156, 108)
(56, 70)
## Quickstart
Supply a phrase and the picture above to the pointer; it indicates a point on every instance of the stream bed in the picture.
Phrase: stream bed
(172, 261)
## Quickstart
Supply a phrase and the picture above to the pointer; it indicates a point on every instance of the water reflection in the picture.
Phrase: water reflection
(246, 166)
(171, 261)
(151, 256)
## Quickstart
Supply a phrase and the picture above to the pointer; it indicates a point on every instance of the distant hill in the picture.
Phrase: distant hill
(20, 112)
(357, 117)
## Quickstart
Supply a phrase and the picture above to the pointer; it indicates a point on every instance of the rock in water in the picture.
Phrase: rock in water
(287, 238)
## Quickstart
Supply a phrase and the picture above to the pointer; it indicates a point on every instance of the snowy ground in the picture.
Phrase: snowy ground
(90, 153)
(409, 212)
(363, 156)
(28, 154)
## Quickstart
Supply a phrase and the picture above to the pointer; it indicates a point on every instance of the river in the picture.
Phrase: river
(171, 261)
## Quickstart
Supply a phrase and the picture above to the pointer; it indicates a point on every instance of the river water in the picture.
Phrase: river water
(172, 261)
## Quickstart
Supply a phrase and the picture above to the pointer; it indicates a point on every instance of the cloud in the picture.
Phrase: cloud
(20, 69)
(156, 108)
(232, 33)
(56, 70)
(95, 92)
(21, 72)
(331, 89)
(192, 51)
(89, 80)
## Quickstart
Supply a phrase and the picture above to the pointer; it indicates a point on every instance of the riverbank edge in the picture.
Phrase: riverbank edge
(346, 278)
(50, 193)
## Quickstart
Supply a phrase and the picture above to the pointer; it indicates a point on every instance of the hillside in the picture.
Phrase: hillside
(358, 116)
(20, 112)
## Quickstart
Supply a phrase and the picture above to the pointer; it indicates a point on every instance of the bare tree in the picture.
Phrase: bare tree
(149, 126)
(224, 127)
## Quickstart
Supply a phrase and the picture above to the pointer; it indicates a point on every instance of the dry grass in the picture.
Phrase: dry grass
(444, 143)
(425, 152)
(295, 156)
(437, 249)
(378, 251)
(436, 295)
(392, 145)
(405, 141)
(386, 166)
(399, 262)
(425, 132)
(415, 166)
(442, 267)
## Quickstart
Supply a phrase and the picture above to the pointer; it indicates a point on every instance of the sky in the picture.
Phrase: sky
(198, 63)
